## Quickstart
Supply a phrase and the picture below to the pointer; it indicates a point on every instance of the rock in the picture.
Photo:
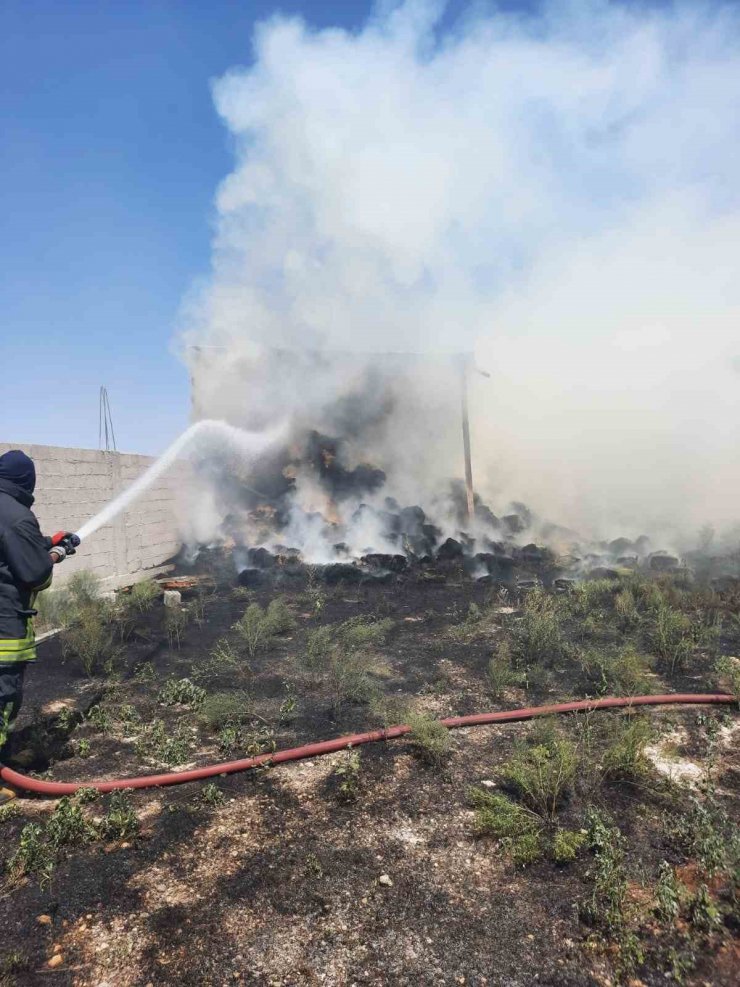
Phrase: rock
(449, 550)
(44, 920)
(385, 880)
(172, 598)
(56, 960)
(663, 562)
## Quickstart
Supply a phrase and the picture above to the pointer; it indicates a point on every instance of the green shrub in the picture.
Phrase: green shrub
(348, 774)
(91, 637)
(142, 595)
(670, 637)
(99, 717)
(120, 821)
(340, 657)
(279, 618)
(222, 708)
(542, 774)
(727, 670)
(624, 672)
(429, 738)
(667, 894)
(626, 609)
(223, 659)
(500, 672)
(82, 588)
(625, 756)
(605, 906)
(566, 844)
(538, 635)
(212, 795)
(518, 830)
(175, 622)
(68, 825)
(253, 628)
(164, 745)
(33, 856)
(181, 692)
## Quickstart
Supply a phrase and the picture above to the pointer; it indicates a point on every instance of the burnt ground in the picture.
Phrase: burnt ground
(274, 877)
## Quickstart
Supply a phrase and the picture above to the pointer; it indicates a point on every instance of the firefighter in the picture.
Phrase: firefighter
(27, 559)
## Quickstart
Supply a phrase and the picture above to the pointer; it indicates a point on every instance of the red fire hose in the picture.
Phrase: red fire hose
(355, 740)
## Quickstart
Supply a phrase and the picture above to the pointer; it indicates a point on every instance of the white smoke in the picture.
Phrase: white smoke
(559, 192)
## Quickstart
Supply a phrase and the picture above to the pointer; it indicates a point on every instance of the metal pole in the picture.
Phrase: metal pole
(464, 361)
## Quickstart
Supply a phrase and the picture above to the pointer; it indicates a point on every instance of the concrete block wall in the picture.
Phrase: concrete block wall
(74, 484)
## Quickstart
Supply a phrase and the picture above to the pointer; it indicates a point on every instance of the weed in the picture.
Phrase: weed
(703, 912)
(68, 826)
(705, 832)
(212, 795)
(100, 718)
(176, 620)
(181, 692)
(253, 629)
(626, 609)
(625, 756)
(83, 588)
(120, 821)
(606, 906)
(287, 708)
(429, 738)
(348, 773)
(142, 595)
(159, 744)
(727, 670)
(518, 830)
(84, 748)
(223, 708)
(144, 673)
(33, 855)
(623, 672)
(338, 656)
(526, 849)
(667, 894)
(90, 638)
(279, 618)
(670, 637)
(500, 672)
(543, 774)
(538, 636)
(67, 719)
(222, 659)
(128, 715)
(565, 845)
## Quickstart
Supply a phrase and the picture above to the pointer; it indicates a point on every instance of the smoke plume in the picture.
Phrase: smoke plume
(557, 192)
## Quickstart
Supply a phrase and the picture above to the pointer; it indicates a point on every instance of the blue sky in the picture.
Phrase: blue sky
(111, 153)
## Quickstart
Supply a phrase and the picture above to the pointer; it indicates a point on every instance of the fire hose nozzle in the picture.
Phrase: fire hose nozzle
(67, 540)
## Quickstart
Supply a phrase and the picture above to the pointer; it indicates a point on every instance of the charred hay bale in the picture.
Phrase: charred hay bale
(251, 577)
(602, 572)
(450, 550)
(341, 572)
(514, 524)
(260, 558)
(663, 562)
(390, 563)
(412, 520)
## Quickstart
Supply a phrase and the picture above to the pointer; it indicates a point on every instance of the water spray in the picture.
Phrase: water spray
(214, 433)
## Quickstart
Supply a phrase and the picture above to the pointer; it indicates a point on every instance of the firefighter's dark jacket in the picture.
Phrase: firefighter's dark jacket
(25, 568)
